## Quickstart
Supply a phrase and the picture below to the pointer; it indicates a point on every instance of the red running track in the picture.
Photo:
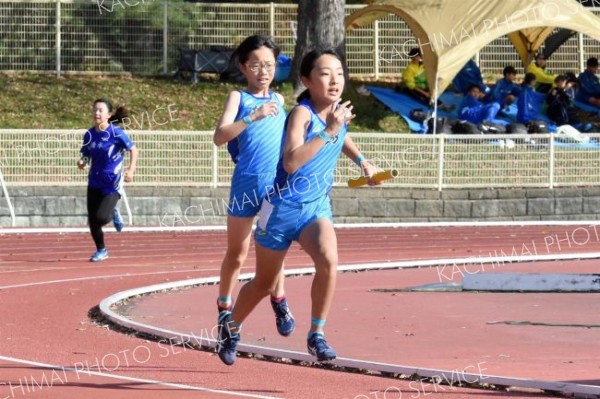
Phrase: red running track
(47, 288)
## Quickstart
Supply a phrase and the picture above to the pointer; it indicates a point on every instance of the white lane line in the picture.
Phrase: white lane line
(108, 276)
(78, 268)
(133, 379)
(558, 386)
(351, 267)
(129, 229)
(137, 229)
(34, 270)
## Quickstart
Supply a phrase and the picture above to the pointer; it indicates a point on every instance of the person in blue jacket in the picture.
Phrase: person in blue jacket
(103, 147)
(589, 85)
(529, 101)
(469, 75)
(506, 91)
(473, 110)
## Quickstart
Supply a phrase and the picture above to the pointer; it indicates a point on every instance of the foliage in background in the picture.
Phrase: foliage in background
(134, 35)
(16, 38)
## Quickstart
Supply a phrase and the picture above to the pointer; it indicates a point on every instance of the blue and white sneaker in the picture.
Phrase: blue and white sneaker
(283, 317)
(318, 346)
(118, 220)
(99, 255)
(227, 342)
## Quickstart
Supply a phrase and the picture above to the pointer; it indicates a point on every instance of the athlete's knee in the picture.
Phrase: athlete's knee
(236, 257)
(99, 219)
(327, 262)
(94, 221)
(103, 219)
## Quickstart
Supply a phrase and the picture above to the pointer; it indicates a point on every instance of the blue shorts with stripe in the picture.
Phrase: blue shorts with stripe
(282, 221)
(247, 192)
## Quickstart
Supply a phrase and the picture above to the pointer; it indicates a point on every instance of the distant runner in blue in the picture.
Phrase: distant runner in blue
(103, 149)
(298, 207)
(252, 125)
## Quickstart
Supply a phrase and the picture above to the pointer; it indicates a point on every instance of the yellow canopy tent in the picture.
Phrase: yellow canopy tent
(528, 41)
(450, 32)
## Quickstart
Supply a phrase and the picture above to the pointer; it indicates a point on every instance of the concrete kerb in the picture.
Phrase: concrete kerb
(354, 365)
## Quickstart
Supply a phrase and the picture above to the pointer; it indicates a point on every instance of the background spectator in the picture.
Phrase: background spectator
(473, 110)
(414, 80)
(529, 101)
(589, 85)
(544, 79)
(506, 90)
(560, 106)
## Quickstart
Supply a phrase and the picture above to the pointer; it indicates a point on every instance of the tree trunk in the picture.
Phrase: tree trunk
(320, 25)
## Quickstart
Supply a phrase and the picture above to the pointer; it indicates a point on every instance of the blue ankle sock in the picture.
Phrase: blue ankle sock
(224, 302)
(317, 322)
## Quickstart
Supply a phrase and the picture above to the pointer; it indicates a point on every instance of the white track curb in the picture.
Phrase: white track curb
(565, 388)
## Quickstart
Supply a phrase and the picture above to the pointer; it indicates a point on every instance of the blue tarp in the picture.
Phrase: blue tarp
(402, 104)
(587, 107)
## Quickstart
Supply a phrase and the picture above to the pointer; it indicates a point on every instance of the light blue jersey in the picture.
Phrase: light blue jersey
(258, 148)
(300, 198)
(256, 152)
(314, 179)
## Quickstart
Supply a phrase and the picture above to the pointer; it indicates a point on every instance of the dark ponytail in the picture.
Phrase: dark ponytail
(121, 113)
(305, 95)
(308, 63)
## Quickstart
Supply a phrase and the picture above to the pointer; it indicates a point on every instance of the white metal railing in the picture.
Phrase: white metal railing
(11, 210)
(62, 36)
(186, 158)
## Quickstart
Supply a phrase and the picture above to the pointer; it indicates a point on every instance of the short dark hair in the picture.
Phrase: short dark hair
(509, 70)
(251, 43)
(415, 51)
(560, 78)
(529, 77)
(474, 86)
(592, 62)
(571, 77)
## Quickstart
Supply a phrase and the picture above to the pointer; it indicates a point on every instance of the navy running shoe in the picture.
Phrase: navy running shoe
(318, 346)
(283, 317)
(227, 341)
(118, 220)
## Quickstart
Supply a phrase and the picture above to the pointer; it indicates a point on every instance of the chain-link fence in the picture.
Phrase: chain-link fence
(145, 37)
(184, 158)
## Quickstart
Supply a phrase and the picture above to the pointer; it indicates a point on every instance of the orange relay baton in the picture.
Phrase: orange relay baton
(378, 177)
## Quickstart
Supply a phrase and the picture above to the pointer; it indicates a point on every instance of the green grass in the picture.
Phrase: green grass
(35, 101)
